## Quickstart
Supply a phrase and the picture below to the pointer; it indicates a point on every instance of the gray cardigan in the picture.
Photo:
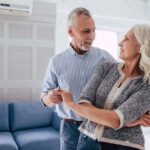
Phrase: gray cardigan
(130, 101)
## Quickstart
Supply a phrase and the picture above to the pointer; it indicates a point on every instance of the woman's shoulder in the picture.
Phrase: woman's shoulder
(146, 86)
(108, 65)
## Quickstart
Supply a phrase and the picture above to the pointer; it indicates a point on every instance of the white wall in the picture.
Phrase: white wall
(113, 15)
(26, 44)
(30, 41)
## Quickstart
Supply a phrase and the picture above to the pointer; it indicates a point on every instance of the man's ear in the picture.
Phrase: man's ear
(70, 31)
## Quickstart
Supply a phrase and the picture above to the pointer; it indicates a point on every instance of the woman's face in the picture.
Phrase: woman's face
(129, 47)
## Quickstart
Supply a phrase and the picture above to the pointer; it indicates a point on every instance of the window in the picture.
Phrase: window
(108, 41)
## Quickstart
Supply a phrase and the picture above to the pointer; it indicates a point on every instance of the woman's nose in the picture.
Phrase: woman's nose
(120, 43)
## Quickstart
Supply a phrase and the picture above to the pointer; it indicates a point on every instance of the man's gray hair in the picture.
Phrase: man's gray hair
(76, 12)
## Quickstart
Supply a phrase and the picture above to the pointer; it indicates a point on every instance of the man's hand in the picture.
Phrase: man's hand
(53, 97)
(66, 97)
(143, 120)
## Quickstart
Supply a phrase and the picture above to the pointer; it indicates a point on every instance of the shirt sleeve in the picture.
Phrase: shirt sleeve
(50, 80)
(136, 105)
(88, 94)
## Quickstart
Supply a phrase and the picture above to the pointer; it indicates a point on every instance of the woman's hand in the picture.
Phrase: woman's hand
(143, 120)
(66, 97)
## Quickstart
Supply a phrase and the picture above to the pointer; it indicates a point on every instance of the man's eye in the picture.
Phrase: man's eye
(86, 31)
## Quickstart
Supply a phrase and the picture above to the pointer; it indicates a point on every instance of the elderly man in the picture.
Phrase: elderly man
(70, 70)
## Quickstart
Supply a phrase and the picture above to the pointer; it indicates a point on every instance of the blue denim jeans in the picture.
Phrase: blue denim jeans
(69, 135)
(108, 146)
(87, 143)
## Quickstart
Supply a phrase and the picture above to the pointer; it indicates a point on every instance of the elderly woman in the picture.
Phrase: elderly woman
(116, 95)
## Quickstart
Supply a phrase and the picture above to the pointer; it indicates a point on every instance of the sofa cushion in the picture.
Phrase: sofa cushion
(4, 117)
(38, 139)
(7, 141)
(56, 121)
(28, 115)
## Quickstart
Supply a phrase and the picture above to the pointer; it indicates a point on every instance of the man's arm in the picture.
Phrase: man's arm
(50, 85)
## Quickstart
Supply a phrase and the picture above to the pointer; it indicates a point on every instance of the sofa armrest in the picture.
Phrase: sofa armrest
(4, 116)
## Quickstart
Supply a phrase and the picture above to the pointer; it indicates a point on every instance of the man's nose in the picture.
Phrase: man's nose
(92, 35)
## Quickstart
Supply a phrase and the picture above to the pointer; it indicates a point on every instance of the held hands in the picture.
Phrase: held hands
(65, 96)
(54, 96)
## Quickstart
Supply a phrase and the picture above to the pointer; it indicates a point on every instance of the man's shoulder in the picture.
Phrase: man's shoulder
(100, 51)
(109, 64)
(102, 54)
(60, 55)
(97, 49)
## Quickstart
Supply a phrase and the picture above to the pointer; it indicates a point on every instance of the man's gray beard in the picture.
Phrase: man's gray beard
(82, 48)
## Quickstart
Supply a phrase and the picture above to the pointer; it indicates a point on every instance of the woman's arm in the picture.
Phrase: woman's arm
(134, 107)
(105, 117)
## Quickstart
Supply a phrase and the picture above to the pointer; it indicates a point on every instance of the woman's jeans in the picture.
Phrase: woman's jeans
(87, 143)
(107, 146)
(70, 138)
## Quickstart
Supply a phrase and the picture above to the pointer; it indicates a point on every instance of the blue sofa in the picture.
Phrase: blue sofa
(28, 126)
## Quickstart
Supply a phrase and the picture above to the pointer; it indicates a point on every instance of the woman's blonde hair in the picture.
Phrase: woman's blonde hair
(142, 34)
